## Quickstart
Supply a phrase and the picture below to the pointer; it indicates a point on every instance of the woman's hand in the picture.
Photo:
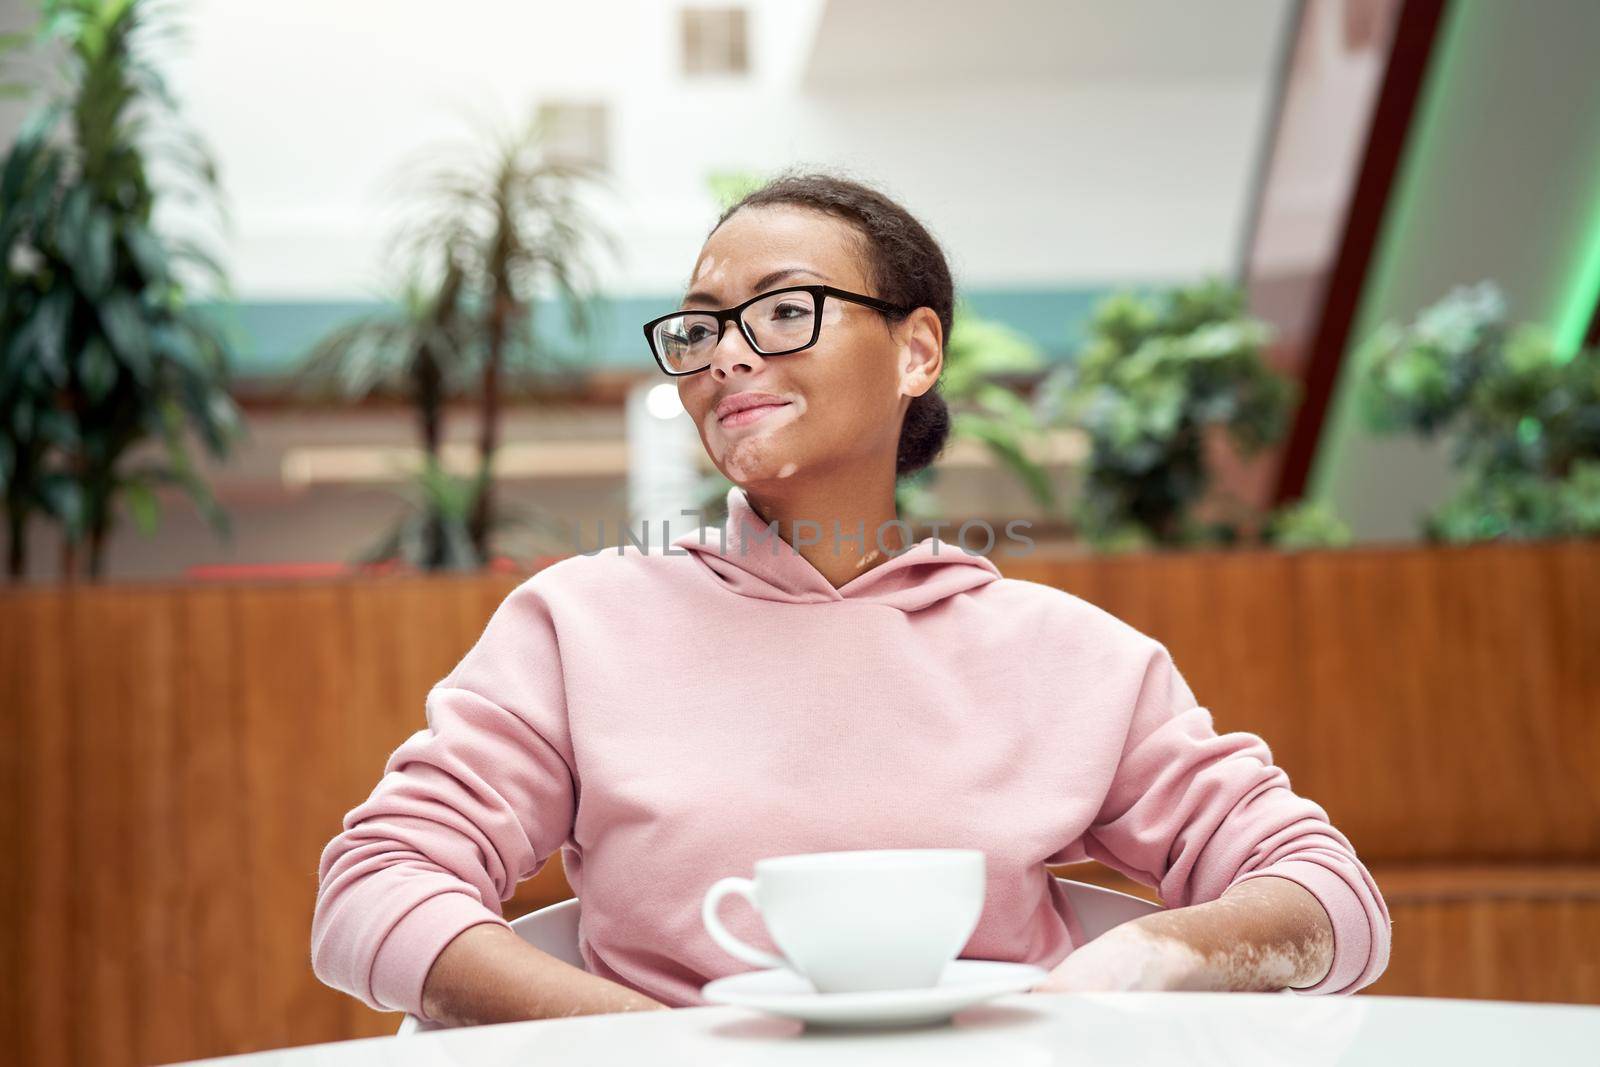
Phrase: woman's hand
(1128, 957)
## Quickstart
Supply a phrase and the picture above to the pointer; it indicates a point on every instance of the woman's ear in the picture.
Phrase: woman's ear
(921, 340)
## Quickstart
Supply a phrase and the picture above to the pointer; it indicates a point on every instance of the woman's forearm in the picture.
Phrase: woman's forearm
(488, 974)
(1264, 934)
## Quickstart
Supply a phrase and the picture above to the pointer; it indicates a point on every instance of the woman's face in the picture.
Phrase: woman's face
(845, 394)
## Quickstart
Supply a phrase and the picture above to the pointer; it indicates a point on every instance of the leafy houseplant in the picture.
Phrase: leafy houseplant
(1521, 419)
(1155, 372)
(1307, 524)
(727, 186)
(977, 353)
(99, 347)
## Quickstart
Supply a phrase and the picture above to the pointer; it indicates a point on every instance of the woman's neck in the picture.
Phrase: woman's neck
(841, 530)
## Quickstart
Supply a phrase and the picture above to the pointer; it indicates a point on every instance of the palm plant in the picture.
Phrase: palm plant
(434, 532)
(510, 220)
(416, 346)
(99, 349)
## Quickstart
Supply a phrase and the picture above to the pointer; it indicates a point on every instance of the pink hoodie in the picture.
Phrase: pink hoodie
(666, 719)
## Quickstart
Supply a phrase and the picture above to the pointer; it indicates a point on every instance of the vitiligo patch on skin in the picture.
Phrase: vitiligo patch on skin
(1240, 953)
(1129, 958)
(707, 268)
(746, 454)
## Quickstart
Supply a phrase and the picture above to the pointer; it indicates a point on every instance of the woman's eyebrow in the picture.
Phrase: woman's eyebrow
(700, 296)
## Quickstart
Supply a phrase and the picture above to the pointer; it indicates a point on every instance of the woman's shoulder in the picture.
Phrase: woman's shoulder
(1062, 611)
(620, 568)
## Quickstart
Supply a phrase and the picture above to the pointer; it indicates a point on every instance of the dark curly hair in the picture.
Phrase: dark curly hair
(904, 266)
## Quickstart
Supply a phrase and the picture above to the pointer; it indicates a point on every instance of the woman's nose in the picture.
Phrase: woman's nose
(740, 350)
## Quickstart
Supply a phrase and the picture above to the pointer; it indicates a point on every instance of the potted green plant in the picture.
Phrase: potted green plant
(980, 356)
(100, 348)
(1156, 373)
(416, 346)
(1521, 418)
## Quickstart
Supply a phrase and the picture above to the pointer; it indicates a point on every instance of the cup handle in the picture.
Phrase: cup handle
(744, 887)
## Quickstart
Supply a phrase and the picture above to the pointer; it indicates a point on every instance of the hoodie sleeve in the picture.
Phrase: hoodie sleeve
(465, 810)
(1191, 814)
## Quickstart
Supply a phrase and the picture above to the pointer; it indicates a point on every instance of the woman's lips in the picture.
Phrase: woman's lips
(749, 415)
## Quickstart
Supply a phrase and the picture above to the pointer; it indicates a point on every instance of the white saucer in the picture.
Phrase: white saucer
(963, 983)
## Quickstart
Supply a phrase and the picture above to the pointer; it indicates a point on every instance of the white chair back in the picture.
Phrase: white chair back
(554, 929)
(1099, 908)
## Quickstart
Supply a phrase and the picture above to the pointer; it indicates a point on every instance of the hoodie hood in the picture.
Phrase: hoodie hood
(751, 562)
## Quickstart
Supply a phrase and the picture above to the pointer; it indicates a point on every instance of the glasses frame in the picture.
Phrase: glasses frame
(736, 315)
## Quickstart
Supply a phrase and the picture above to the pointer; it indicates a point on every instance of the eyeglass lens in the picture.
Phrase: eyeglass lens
(780, 323)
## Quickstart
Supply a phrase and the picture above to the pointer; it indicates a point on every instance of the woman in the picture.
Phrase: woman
(666, 718)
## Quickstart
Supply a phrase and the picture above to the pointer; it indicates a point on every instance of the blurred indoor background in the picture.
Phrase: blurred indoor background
(1279, 320)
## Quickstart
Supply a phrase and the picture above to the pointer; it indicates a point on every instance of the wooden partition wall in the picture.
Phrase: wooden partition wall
(176, 757)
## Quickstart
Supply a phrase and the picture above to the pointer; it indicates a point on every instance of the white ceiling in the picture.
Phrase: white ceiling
(873, 42)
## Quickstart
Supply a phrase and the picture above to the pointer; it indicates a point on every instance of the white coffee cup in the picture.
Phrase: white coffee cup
(860, 920)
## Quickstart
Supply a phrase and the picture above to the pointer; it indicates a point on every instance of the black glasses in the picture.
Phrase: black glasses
(775, 323)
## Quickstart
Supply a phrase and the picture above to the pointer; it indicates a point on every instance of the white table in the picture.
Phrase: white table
(1019, 1030)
